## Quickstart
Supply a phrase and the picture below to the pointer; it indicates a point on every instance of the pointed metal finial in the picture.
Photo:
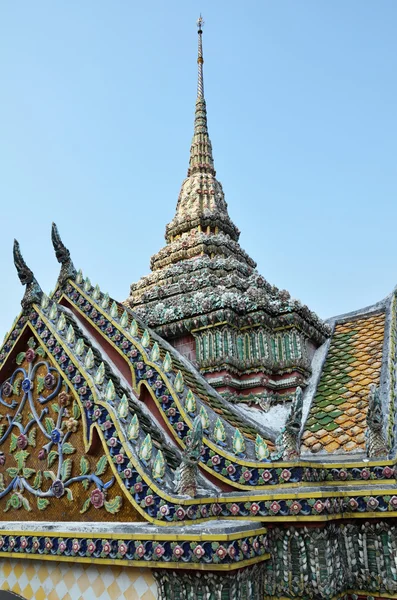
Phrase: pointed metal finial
(200, 59)
(68, 270)
(33, 292)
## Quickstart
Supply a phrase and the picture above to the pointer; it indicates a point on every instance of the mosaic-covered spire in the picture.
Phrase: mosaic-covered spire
(201, 159)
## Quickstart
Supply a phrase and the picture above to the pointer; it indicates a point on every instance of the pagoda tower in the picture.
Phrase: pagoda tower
(204, 295)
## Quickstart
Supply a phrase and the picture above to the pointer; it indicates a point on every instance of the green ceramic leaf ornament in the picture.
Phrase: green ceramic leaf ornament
(105, 301)
(133, 429)
(124, 319)
(179, 384)
(145, 339)
(261, 449)
(145, 451)
(45, 302)
(70, 335)
(79, 349)
(87, 285)
(238, 442)
(155, 353)
(79, 277)
(122, 409)
(204, 418)
(61, 325)
(89, 360)
(110, 393)
(158, 469)
(96, 294)
(167, 363)
(190, 402)
(114, 313)
(219, 431)
(134, 328)
(53, 312)
(100, 374)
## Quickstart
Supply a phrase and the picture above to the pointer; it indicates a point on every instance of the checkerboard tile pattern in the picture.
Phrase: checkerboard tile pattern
(48, 580)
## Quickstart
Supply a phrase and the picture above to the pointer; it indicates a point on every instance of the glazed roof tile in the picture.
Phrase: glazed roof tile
(337, 417)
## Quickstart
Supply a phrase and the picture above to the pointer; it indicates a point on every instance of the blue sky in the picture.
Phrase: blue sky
(96, 119)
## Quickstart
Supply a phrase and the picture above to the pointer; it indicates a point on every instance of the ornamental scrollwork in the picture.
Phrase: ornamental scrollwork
(40, 440)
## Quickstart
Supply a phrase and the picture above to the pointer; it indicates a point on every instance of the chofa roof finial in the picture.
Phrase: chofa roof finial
(68, 270)
(33, 292)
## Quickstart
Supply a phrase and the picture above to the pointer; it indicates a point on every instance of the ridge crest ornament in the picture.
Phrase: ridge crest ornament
(33, 293)
(62, 254)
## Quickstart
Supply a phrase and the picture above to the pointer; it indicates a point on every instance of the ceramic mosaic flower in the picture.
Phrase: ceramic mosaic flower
(42, 455)
(286, 474)
(72, 424)
(388, 472)
(254, 508)
(64, 399)
(149, 500)
(56, 435)
(159, 551)
(48, 544)
(221, 552)
(30, 355)
(58, 488)
(247, 475)
(365, 474)
(231, 469)
(97, 498)
(122, 548)
(199, 551)
(353, 504)
(22, 441)
(234, 509)
(295, 507)
(318, 506)
(26, 385)
(393, 502)
(7, 389)
(372, 503)
(180, 513)
(178, 551)
(275, 507)
(266, 476)
(140, 550)
(49, 381)
(106, 548)
(138, 487)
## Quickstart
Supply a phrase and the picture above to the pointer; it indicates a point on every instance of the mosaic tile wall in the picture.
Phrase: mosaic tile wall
(40, 580)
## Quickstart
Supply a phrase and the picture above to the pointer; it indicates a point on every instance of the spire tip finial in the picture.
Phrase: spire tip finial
(200, 23)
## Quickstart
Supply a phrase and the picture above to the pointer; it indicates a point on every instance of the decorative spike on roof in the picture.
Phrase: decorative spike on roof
(201, 159)
(68, 270)
(33, 291)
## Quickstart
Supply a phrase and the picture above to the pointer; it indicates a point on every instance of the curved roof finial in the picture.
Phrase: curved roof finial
(33, 292)
(200, 59)
(68, 270)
